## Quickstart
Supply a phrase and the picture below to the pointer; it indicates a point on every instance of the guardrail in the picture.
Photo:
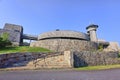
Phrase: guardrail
(29, 37)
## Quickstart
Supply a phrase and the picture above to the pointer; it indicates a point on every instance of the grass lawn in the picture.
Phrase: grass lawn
(99, 67)
(23, 49)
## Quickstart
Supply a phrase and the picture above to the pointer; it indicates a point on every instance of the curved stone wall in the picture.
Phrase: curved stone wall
(63, 34)
(65, 44)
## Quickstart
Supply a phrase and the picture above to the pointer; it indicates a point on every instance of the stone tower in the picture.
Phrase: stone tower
(91, 29)
(15, 33)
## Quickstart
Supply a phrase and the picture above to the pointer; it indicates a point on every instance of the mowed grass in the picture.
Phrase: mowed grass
(103, 67)
(22, 49)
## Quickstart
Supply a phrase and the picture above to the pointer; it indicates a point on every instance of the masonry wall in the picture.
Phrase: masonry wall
(14, 37)
(65, 44)
(13, 27)
(66, 59)
(89, 58)
(37, 60)
(15, 33)
(113, 46)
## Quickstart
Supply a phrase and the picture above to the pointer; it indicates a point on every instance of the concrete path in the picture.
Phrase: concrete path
(113, 74)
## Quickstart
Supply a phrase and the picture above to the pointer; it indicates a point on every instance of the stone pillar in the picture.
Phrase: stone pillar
(91, 29)
(68, 56)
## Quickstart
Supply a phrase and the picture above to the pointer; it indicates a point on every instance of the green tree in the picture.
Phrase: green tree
(5, 36)
(4, 41)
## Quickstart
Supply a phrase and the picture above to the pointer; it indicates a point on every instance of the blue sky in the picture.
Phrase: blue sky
(38, 16)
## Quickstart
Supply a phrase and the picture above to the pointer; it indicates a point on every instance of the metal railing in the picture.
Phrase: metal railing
(29, 37)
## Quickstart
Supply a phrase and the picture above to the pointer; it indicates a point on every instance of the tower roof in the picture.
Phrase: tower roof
(92, 26)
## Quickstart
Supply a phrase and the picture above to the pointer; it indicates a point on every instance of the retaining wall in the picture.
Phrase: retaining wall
(37, 60)
(66, 59)
(89, 58)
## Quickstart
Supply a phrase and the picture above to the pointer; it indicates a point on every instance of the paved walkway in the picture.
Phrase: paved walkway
(113, 74)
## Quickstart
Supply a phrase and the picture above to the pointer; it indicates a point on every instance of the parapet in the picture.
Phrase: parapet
(13, 27)
(63, 34)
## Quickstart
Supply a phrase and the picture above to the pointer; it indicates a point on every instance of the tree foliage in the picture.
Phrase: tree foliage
(4, 41)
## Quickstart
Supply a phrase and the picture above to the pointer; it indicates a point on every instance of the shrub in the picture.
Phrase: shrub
(4, 42)
(100, 47)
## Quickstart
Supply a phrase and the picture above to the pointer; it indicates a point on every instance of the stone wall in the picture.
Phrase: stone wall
(15, 33)
(13, 27)
(14, 37)
(66, 59)
(63, 34)
(37, 60)
(113, 46)
(88, 58)
(65, 44)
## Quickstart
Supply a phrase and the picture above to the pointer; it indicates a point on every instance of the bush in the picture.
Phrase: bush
(100, 47)
(4, 42)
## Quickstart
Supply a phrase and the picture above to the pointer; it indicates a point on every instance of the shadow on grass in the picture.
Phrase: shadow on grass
(8, 48)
